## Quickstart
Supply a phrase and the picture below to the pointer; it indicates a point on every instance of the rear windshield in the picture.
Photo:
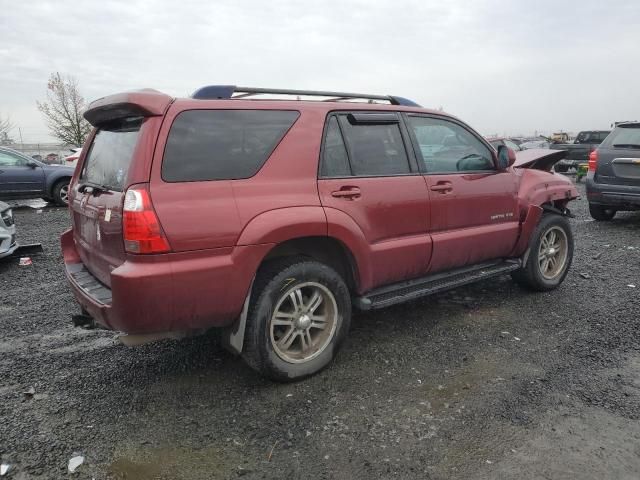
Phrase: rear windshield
(110, 153)
(222, 144)
(624, 137)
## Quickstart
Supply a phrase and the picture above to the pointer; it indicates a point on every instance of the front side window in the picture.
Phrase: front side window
(222, 144)
(446, 147)
(375, 149)
(9, 160)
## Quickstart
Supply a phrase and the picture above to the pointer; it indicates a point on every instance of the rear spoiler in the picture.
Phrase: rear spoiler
(539, 158)
(146, 103)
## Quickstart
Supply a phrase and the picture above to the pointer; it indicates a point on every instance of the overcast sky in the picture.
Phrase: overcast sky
(504, 66)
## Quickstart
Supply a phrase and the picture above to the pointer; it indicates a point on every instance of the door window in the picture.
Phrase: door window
(375, 149)
(9, 160)
(446, 147)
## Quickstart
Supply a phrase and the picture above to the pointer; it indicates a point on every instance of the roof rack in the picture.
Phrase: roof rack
(219, 92)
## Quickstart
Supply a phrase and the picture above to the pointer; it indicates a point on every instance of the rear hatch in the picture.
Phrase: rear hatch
(619, 157)
(98, 196)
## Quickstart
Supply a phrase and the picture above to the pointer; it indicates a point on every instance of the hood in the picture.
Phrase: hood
(539, 158)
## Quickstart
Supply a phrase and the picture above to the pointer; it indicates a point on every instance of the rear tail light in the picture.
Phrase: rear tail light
(593, 160)
(141, 228)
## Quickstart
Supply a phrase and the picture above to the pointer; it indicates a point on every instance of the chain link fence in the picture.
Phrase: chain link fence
(46, 152)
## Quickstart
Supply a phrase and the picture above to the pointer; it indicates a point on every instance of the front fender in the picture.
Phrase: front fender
(538, 187)
(280, 225)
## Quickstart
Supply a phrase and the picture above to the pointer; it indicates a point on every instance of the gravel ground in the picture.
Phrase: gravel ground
(487, 381)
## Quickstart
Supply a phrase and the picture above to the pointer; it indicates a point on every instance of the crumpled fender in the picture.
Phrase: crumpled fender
(538, 187)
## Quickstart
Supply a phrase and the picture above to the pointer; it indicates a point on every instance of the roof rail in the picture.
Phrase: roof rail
(219, 92)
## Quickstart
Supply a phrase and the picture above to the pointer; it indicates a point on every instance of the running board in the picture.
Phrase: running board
(420, 287)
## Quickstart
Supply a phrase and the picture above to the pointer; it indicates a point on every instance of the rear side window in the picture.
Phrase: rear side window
(110, 153)
(624, 137)
(222, 144)
(375, 149)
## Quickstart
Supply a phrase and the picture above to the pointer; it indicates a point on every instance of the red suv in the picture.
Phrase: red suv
(272, 218)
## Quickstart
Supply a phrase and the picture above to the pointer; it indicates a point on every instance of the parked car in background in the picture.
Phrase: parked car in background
(507, 142)
(52, 159)
(72, 159)
(613, 179)
(535, 144)
(25, 177)
(8, 242)
(180, 222)
(560, 137)
(578, 152)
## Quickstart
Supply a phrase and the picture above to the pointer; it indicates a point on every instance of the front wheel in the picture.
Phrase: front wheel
(298, 317)
(550, 255)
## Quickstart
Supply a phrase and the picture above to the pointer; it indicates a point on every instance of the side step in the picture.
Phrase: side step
(420, 287)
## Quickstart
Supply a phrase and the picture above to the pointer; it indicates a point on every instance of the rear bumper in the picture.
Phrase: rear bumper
(175, 292)
(620, 196)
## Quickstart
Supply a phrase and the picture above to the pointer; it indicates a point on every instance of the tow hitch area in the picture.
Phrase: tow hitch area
(83, 321)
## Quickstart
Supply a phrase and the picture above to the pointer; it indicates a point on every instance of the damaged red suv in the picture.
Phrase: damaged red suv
(272, 218)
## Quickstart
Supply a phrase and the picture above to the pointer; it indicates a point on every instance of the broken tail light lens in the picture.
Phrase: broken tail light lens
(142, 232)
(593, 161)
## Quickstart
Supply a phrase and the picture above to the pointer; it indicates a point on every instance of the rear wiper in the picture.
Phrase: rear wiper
(88, 187)
(626, 145)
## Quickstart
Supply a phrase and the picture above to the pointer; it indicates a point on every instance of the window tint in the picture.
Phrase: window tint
(222, 144)
(447, 147)
(335, 162)
(9, 160)
(375, 149)
(110, 153)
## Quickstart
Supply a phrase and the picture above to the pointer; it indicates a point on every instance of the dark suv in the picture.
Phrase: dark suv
(271, 218)
(613, 180)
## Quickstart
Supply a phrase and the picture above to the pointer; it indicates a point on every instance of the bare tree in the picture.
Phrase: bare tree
(63, 110)
(5, 127)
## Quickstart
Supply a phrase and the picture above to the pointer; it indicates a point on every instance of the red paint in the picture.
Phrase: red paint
(219, 232)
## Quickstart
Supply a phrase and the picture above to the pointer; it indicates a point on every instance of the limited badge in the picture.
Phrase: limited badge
(107, 215)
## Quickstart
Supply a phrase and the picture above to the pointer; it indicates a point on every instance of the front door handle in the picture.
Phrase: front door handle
(442, 187)
(350, 193)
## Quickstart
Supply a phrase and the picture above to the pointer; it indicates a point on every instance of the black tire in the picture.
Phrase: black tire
(531, 274)
(271, 288)
(601, 213)
(60, 192)
(561, 168)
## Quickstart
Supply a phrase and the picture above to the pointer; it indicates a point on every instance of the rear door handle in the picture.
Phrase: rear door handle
(350, 193)
(442, 187)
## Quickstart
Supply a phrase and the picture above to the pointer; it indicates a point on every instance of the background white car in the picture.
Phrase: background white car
(8, 243)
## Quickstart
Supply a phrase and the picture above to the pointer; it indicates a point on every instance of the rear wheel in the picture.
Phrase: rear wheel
(601, 213)
(550, 255)
(299, 315)
(61, 192)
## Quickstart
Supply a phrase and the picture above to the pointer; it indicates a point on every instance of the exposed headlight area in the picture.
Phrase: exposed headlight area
(7, 217)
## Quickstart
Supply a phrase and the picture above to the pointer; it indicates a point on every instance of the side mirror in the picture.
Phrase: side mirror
(506, 157)
(32, 164)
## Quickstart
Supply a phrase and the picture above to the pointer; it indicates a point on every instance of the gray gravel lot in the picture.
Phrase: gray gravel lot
(484, 382)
